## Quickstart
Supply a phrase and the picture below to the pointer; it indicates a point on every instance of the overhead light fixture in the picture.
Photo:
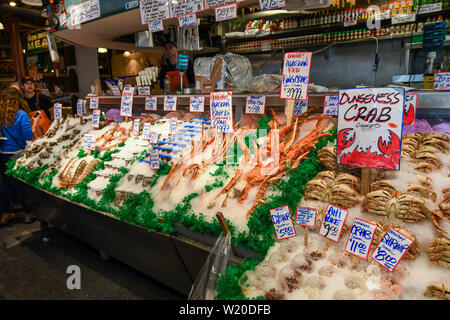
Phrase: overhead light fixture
(126, 54)
(32, 2)
(23, 50)
(102, 50)
(1, 26)
(12, 3)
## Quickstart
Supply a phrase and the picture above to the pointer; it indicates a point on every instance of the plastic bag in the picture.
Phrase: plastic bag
(266, 83)
(204, 287)
(239, 71)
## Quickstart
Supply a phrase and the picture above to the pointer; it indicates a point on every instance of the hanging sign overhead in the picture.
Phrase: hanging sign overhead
(370, 122)
(187, 20)
(295, 78)
(154, 10)
(360, 239)
(330, 105)
(221, 111)
(197, 104)
(282, 222)
(391, 249)
(217, 3)
(126, 105)
(226, 12)
(85, 11)
(255, 105)
(271, 4)
(156, 26)
(184, 7)
(409, 112)
(333, 223)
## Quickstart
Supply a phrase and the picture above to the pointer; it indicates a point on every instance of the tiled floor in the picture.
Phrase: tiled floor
(33, 269)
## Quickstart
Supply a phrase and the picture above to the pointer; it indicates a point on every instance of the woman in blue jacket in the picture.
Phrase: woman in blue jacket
(17, 129)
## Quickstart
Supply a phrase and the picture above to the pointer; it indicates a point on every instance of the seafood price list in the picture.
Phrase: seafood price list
(255, 105)
(221, 111)
(330, 105)
(282, 221)
(391, 249)
(333, 222)
(360, 239)
(306, 217)
(295, 77)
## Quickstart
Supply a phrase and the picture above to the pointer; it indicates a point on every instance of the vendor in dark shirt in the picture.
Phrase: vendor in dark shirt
(169, 68)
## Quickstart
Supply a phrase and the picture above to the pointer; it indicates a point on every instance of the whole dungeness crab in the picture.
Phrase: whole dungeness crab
(439, 252)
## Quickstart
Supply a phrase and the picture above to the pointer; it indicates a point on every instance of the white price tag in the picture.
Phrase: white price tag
(226, 12)
(170, 103)
(94, 103)
(271, 4)
(154, 159)
(146, 131)
(391, 249)
(126, 104)
(197, 104)
(266, 46)
(331, 105)
(187, 20)
(442, 81)
(115, 90)
(57, 111)
(403, 18)
(360, 238)
(144, 90)
(136, 124)
(89, 142)
(282, 222)
(96, 118)
(153, 138)
(221, 111)
(173, 126)
(151, 103)
(255, 105)
(295, 79)
(217, 3)
(156, 26)
(333, 222)
(306, 217)
(428, 8)
(80, 108)
(409, 112)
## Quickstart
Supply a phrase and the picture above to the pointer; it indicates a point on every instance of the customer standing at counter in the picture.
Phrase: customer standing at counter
(16, 130)
(169, 69)
(37, 103)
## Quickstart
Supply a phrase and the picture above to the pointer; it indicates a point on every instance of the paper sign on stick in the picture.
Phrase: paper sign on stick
(306, 217)
(170, 103)
(370, 122)
(197, 104)
(333, 222)
(360, 239)
(295, 78)
(57, 111)
(221, 111)
(282, 221)
(154, 159)
(391, 249)
(96, 118)
(255, 105)
(89, 141)
(136, 123)
(126, 105)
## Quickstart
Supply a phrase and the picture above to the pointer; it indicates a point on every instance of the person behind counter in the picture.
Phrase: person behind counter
(169, 69)
(37, 103)
(16, 130)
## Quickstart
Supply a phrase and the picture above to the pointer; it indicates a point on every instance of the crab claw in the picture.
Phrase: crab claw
(343, 139)
(408, 115)
(391, 147)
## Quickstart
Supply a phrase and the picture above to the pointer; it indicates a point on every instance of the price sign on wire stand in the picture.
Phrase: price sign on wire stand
(89, 142)
(331, 105)
(94, 103)
(255, 105)
(126, 104)
(221, 111)
(226, 12)
(333, 222)
(96, 118)
(306, 217)
(370, 122)
(271, 4)
(170, 103)
(360, 239)
(391, 249)
(57, 111)
(154, 159)
(295, 77)
(282, 222)
(197, 104)
(136, 124)
(409, 112)
(151, 103)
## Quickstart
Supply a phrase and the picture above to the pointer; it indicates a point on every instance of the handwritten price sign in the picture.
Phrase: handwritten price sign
(271, 4)
(136, 124)
(300, 107)
(146, 131)
(306, 217)
(153, 138)
(80, 107)
(115, 90)
(442, 81)
(170, 103)
(57, 111)
(126, 104)
(151, 103)
(94, 103)
(391, 249)
(144, 90)
(216, 3)
(255, 105)
(226, 12)
(409, 112)
(154, 159)
(295, 79)
(360, 239)
(282, 221)
(173, 125)
(96, 118)
(89, 141)
(333, 222)
(188, 20)
(331, 105)
(221, 111)
(156, 26)
(154, 10)
(197, 104)
(370, 124)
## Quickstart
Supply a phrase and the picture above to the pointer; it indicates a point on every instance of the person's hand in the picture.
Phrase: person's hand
(35, 123)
